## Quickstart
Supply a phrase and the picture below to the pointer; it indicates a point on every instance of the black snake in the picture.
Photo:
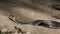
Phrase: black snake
(44, 23)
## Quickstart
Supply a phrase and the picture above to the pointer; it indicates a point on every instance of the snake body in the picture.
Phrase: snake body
(48, 23)
(44, 23)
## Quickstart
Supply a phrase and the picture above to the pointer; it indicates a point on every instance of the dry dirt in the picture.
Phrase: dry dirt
(28, 10)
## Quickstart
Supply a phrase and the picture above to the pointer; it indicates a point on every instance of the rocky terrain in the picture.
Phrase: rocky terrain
(26, 11)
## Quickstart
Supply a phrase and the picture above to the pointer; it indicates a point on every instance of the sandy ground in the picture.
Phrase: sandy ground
(24, 12)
